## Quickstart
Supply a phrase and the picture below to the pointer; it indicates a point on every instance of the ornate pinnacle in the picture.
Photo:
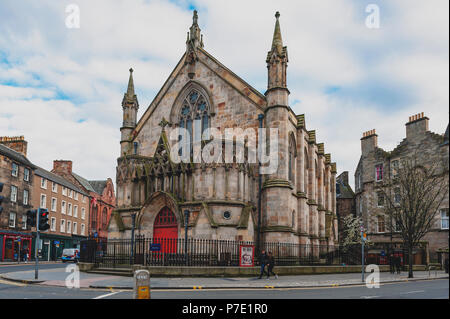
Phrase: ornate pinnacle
(130, 96)
(277, 41)
(194, 37)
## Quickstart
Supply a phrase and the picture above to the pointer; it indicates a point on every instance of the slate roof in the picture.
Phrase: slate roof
(15, 156)
(98, 186)
(58, 179)
(84, 182)
(345, 191)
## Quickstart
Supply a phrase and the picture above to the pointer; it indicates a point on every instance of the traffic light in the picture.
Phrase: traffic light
(31, 217)
(43, 219)
(1, 198)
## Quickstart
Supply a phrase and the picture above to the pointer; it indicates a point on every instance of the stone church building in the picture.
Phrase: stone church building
(297, 201)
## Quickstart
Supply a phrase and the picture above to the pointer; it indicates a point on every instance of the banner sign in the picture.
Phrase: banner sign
(246, 256)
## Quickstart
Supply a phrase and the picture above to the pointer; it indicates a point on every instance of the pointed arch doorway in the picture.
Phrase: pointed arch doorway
(165, 231)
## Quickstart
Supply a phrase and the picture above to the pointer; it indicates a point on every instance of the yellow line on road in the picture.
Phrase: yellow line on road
(7, 282)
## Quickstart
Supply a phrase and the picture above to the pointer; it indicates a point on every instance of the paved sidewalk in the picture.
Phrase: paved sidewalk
(57, 277)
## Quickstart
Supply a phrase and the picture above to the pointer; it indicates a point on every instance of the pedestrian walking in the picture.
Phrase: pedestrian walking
(398, 264)
(25, 255)
(391, 263)
(262, 262)
(270, 265)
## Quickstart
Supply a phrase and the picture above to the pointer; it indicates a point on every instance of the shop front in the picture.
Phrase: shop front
(51, 246)
(14, 245)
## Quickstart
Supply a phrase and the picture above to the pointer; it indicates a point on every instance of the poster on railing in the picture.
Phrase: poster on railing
(246, 256)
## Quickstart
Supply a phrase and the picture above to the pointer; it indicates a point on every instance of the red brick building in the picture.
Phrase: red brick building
(101, 194)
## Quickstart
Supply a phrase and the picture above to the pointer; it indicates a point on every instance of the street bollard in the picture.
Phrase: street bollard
(141, 284)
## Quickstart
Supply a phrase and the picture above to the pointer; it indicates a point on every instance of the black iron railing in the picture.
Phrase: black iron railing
(115, 253)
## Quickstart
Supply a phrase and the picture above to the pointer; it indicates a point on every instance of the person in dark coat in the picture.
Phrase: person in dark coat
(270, 265)
(391, 263)
(262, 262)
(398, 264)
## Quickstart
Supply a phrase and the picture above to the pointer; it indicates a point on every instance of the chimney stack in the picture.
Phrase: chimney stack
(16, 143)
(369, 142)
(62, 167)
(417, 125)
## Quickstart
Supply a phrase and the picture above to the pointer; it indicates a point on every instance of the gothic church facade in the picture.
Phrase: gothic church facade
(297, 202)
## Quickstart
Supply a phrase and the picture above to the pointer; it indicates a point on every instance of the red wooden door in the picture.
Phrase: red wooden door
(165, 231)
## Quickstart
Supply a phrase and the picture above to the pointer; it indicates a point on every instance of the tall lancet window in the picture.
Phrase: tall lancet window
(195, 115)
(292, 156)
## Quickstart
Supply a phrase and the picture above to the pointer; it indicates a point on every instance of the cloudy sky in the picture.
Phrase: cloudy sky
(62, 87)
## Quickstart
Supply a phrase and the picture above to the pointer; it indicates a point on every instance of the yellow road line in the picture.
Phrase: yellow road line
(7, 282)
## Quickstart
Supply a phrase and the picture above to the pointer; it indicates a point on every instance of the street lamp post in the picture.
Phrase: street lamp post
(362, 252)
(258, 235)
(36, 248)
(186, 221)
(133, 225)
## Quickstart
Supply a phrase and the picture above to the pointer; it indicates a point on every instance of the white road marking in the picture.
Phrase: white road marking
(412, 292)
(107, 295)
(370, 297)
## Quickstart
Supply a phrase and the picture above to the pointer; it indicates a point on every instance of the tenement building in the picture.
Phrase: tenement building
(376, 165)
(68, 207)
(101, 202)
(296, 201)
(16, 174)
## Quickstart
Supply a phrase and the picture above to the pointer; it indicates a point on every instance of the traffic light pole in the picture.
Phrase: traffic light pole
(36, 254)
(362, 253)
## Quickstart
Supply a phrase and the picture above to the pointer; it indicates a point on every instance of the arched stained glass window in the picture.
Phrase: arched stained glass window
(195, 115)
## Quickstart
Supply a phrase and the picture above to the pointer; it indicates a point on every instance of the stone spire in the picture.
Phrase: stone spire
(130, 96)
(130, 108)
(277, 42)
(277, 59)
(195, 39)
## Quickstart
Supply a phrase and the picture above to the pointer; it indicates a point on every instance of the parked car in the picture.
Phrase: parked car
(70, 254)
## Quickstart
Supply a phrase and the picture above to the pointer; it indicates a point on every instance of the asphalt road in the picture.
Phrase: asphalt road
(28, 266)
(427, 289)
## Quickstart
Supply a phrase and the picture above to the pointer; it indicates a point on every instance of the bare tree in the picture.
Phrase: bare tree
(413, 196)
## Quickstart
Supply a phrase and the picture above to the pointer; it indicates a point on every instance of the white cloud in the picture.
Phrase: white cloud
(72, 81)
